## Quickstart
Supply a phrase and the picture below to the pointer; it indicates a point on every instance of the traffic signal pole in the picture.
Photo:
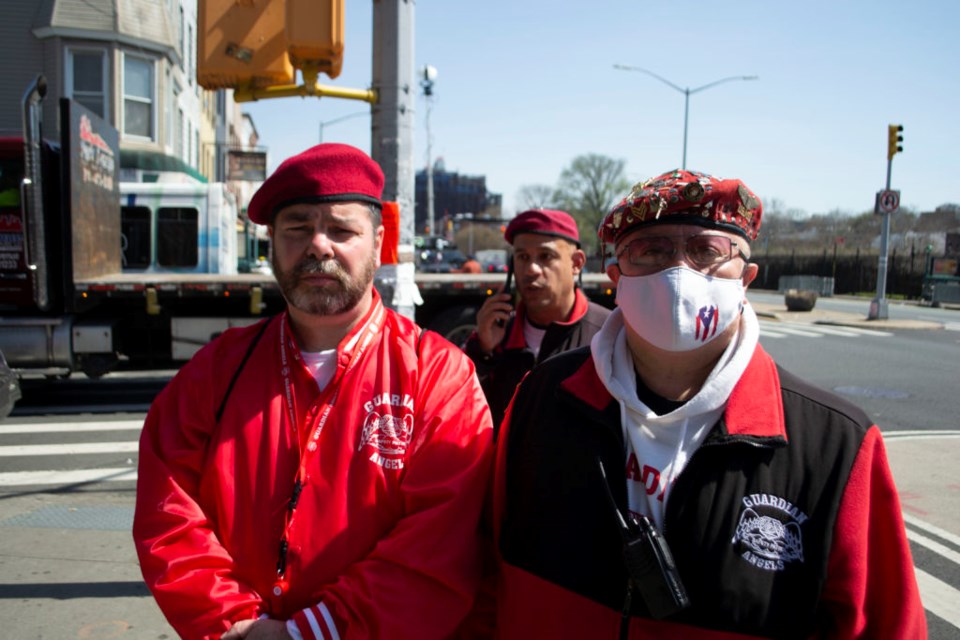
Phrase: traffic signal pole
(886, 206)
(391, 140)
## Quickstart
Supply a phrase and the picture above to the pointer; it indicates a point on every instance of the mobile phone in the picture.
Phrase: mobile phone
(508, 285)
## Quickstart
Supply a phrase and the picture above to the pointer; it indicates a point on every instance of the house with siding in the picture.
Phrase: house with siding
(133, 62)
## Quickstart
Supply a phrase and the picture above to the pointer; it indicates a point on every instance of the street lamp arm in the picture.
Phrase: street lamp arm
(624, 67)
(721, 81)
(341, 119)
(346, 117)
(686, 96)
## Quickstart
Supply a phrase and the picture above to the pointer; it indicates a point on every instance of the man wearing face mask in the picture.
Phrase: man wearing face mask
(672, 480)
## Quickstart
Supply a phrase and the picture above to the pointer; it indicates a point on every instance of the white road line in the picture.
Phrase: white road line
(860, 331)
(68, 427)
(80, 476)
(771, 334)
(797, 332)
(952, 326)
(933, 529)
(831, 330)
(815, 330)
(67, 449)
(936, 547)
(938, 597)
(889, 436)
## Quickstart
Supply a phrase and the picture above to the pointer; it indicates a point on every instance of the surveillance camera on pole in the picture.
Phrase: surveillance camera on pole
(427, 75)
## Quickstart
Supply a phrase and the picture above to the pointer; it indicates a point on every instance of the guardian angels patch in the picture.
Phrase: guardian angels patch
(387, 429)
(768, 535)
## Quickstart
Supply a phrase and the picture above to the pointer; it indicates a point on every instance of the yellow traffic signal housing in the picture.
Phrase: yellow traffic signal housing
(894, 138)
(242, 43)
(315, 36)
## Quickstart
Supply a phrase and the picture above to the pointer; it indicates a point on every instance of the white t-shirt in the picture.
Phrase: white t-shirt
(321, 364)
(533, 336)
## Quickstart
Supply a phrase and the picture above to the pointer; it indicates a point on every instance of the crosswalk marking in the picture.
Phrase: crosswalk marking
(128, 429)
(66, 449)
(77, 476)
(70, 427)
(952, 326)
(776, 330)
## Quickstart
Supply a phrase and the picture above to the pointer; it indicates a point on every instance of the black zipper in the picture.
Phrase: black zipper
(625, 613)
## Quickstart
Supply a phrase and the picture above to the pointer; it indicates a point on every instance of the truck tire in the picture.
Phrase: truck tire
(96, 365)
(456, 324)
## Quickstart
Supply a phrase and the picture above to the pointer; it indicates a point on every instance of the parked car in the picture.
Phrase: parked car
(440, 261)
(493, 260)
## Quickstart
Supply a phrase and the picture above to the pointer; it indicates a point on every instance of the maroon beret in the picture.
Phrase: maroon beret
(328, 172)
(547, 222)
(686, 197)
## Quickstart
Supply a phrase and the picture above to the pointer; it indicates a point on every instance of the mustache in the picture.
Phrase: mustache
(312, 266)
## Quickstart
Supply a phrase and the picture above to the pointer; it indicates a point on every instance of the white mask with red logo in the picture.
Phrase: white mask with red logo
(679, 309)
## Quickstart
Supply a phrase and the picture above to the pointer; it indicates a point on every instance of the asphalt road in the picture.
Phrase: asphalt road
(67, 474)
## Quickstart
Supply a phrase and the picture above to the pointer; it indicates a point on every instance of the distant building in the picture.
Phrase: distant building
(453, 194)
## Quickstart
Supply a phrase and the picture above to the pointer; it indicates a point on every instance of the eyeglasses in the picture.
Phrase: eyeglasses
(654, 252)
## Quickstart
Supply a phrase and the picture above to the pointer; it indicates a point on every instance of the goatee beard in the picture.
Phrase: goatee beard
(339, 295)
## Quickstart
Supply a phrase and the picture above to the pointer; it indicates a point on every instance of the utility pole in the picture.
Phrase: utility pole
(391, 140)
(428, 75)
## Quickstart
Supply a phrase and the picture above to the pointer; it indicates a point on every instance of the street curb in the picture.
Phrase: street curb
(838, 318)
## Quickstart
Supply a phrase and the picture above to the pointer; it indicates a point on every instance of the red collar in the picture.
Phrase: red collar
(516, 340)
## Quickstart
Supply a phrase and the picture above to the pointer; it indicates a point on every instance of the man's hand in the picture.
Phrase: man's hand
(490, 332)
(257, 630)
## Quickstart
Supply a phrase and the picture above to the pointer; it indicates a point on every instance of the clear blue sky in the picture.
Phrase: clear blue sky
(524, 87)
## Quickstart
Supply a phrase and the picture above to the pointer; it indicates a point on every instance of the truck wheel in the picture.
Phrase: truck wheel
(98, 364)
(456, 324)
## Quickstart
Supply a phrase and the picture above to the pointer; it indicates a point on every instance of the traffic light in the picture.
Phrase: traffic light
(315, 36)
(894, 138)
(261, 43)
(242, 43)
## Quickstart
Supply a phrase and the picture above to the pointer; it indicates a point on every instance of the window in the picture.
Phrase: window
(135, 237)
(86, 79)
(138, 92)
(178, 135)
(177, 237)
(189, 62)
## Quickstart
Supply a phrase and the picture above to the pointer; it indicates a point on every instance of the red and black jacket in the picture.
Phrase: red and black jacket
(501, 371)
(785, 454)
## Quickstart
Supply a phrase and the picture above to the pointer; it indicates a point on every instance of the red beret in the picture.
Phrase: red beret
(546, 222)
(686, 197)
(325, 173)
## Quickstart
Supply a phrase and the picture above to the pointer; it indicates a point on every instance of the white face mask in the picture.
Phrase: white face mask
(679, 309)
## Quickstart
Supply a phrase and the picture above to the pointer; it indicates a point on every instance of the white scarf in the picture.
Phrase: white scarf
(663, 444)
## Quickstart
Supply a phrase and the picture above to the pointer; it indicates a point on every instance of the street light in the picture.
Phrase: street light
(686, 93)
(427, 75)
(341, 119)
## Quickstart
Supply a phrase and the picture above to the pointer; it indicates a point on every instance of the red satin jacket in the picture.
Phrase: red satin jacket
(393, 459)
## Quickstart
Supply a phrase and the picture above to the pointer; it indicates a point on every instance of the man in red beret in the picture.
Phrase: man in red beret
(672, 481)
(553, 314)
(319, 474)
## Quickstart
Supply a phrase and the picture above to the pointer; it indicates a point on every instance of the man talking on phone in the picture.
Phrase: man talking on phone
(551, 315)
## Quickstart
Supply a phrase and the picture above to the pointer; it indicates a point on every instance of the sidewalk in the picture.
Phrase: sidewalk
(840, 318)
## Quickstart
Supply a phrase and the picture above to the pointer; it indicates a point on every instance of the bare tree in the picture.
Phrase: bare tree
(588, 189)
(536, 196)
